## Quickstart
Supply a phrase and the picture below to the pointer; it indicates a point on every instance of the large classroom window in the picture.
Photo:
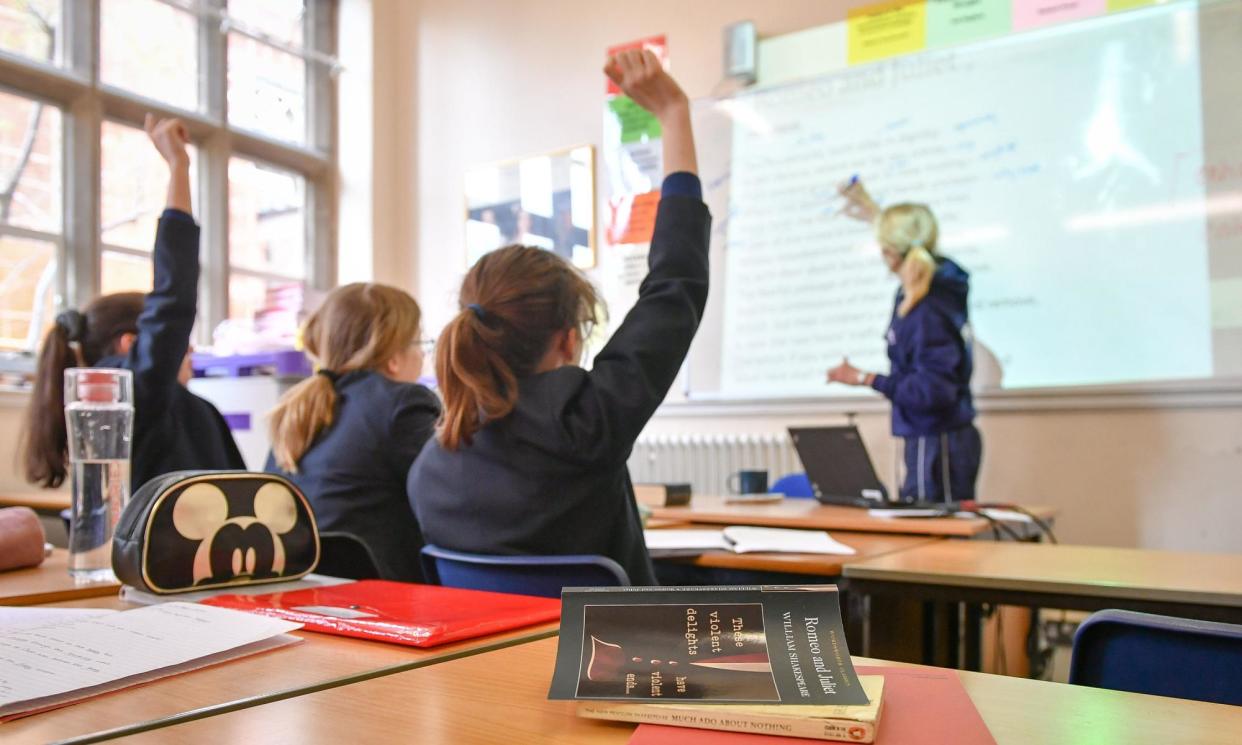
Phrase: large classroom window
(81, 189)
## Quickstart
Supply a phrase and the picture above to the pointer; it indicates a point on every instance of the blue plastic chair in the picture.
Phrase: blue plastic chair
(1159, 655)
(795, 485)
(521, 575)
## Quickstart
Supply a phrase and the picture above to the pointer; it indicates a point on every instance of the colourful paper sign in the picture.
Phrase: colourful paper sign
(960, 21)
(1036, 13)
(637, 124)
(631, 219)
(657, 44)
(1115, 5)
(886, 30)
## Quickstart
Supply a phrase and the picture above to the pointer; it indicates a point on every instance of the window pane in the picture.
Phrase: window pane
(31, 28)
(150, 48)
(121, 272)
(267, 230)
(280, 19)
(134, 186)
(29, 164)
(275, 306)
(27, 290)
(267, 89)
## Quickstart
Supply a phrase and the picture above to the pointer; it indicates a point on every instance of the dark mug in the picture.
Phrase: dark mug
(748, 482)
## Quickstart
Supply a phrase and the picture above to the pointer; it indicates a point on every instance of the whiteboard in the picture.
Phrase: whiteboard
(1088, 175)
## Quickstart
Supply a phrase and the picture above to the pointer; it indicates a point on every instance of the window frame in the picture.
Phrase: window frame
(86, 102)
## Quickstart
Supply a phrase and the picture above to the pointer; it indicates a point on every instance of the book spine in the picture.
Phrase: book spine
(847, 730)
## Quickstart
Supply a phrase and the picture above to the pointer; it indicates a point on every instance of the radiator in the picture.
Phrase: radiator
(706, 461)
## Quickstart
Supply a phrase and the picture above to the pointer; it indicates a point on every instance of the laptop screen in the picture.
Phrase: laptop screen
(838, 466)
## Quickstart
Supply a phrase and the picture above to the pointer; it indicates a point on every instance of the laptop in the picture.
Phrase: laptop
(838, 466)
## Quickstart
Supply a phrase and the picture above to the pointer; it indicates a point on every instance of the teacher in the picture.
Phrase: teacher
(929, 350)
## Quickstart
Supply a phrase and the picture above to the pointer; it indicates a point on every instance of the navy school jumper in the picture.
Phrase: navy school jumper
(550, 478)
(174, 429)
(929, 386)
(354, 472)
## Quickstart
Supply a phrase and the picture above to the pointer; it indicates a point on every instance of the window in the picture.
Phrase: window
(31, 28)
(253, 78)
(30, 217)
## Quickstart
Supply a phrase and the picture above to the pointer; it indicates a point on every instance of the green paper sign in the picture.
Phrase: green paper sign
(960, 21)
(637, 124)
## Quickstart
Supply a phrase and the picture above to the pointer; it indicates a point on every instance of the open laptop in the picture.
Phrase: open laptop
(838, 466)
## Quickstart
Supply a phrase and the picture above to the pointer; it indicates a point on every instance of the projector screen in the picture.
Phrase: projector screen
(1088, 176)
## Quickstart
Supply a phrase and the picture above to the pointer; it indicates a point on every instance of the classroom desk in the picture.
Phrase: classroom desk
(808, 513)
(1193, 585)
(320, 661)
(48, 583)
(1038, 575)
(867, 546)
(501, 697)
(46, 501)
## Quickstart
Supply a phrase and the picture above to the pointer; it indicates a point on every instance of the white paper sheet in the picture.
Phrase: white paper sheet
(25, 617)
(748, 539)
(46, 665)
(678, 540)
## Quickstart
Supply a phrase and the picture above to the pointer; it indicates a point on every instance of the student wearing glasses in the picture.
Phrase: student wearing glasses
(348, 435)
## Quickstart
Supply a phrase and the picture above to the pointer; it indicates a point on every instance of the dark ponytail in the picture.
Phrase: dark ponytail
(76, 340)
(513, 303)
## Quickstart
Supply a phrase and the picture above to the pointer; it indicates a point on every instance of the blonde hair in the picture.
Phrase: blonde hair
(360, 326)
(513, 302)
(910, 230)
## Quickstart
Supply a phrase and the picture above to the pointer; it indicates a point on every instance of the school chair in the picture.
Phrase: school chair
(345, 555)
(795, 485)
(1159, 655)
(520, 575)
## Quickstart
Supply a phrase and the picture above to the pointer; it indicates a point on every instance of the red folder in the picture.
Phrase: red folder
(399, 612)
(924, 705)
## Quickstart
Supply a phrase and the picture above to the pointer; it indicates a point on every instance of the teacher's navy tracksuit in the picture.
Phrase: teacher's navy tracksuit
(929, 385)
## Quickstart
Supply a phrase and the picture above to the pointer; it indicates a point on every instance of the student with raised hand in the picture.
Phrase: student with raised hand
(150, 335)
(348, 434)
(530, 456)
(929, 350)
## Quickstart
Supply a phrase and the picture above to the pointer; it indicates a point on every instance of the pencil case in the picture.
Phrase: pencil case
(200, 530)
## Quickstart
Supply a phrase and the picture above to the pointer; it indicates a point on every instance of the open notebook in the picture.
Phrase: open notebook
(743, 539)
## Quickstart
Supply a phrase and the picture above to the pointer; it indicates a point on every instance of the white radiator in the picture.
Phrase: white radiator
(706, 461)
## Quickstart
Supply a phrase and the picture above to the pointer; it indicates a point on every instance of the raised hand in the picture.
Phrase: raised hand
(638, 73)
(858, 203)
(170, 138)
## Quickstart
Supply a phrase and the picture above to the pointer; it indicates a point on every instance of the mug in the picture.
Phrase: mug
(748, 482)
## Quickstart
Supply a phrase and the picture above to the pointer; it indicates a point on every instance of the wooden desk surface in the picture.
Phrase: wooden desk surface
(808, 513)
(320, 660)
(48, 583)
(501, 697)
(1137, 574)
(46, 500)
(867, 546)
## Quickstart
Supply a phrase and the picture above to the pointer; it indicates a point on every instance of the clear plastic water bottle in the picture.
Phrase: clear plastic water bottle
(99, 418)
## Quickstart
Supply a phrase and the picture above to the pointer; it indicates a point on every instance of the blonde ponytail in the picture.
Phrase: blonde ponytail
(304, 411)
(360, 326)
(910, 230)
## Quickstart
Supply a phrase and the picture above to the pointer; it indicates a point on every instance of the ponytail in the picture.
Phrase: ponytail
(303, 412)
(78, 339)
(45, 442)
(916, 274)
(360, 326)
(514, 301)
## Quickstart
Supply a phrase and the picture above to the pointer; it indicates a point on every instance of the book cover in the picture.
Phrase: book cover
(924, 705)
(844, 723)
(749, 644)
(662, 495)
(399, 612)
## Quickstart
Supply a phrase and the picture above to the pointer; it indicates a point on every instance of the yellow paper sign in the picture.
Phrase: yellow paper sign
(886, 30)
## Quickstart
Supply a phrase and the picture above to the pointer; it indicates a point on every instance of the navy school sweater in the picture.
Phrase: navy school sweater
(550, 478)
(174, 429)
(930, 356)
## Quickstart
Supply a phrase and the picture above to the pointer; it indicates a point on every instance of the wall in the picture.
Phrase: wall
(492, 80)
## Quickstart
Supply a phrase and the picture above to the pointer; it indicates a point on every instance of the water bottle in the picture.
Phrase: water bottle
(99, 419)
